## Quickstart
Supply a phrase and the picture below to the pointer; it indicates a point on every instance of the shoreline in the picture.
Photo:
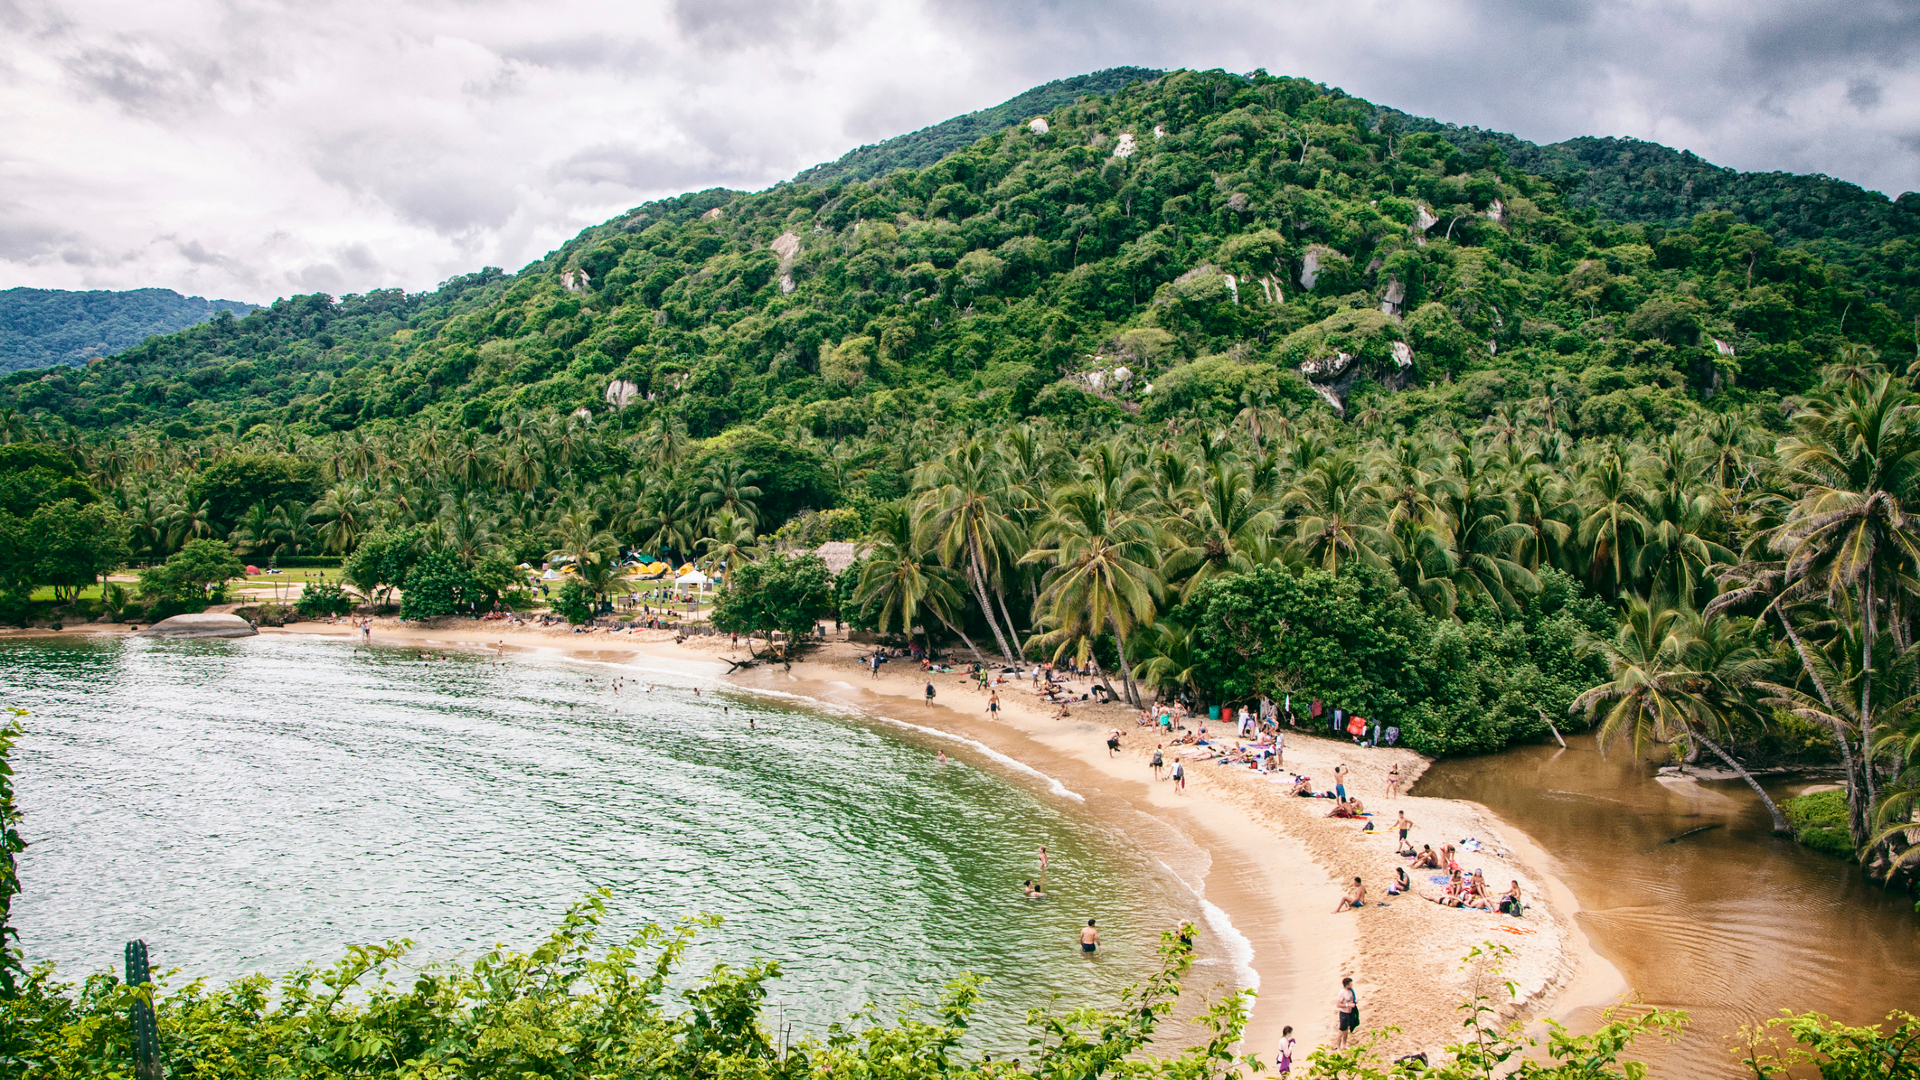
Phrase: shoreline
(1271, 866)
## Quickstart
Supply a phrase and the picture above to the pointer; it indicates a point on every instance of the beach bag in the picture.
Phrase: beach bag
(1356, 725)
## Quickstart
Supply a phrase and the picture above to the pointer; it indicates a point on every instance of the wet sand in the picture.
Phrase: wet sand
(1272, 867)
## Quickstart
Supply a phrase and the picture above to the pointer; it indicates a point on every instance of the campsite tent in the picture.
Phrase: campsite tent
(694, 578)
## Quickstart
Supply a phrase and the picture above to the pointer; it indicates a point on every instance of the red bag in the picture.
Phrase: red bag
(1355, 725)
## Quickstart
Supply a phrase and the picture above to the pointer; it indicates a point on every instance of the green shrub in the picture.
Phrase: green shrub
(322, 599)
(573, 602)
(1820, 822)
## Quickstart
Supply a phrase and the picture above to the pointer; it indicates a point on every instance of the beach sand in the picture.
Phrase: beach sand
(1270, 866)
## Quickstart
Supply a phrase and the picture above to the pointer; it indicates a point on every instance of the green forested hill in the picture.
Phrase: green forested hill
(43, 327)
(1235, 383)
(1214, 235)
(918, 149)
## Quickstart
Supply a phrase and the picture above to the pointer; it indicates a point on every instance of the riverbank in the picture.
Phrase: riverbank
(1270, 868)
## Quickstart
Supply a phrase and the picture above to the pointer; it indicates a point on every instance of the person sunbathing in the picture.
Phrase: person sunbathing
(1342, 809)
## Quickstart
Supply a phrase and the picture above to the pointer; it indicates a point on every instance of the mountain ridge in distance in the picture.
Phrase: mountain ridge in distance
(42, 328)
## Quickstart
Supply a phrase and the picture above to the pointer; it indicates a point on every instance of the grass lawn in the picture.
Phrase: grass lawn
(45, 592)
(315, 574)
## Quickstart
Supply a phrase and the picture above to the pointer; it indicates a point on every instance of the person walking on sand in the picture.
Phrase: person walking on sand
(993, 705)
(1404, 826)
(1283, 1057)
(1340, 781)
(1347, 1007)
(1179, 776)
(1113, 742)
(929, 695)
(1393, 782)
(1159, 760)
(1089, 938)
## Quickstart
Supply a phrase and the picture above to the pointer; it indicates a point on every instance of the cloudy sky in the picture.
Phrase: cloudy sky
(252, 149)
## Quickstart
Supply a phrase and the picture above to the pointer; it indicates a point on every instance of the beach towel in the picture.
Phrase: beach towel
(1516, 930)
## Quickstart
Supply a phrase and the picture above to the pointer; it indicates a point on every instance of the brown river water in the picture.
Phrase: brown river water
(1730, 924)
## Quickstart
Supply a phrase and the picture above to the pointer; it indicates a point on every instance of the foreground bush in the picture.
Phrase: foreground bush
(570, 1008)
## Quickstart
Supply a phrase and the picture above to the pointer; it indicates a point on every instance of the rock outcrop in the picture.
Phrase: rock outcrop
(208, 625)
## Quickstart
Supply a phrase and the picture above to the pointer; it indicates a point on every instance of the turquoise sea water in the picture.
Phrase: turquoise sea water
(253, 805)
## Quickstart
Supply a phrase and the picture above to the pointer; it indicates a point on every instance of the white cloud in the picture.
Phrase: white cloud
(251, 148)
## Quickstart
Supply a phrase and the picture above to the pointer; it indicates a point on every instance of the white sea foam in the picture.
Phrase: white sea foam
(1239, 949)
(1053, 785)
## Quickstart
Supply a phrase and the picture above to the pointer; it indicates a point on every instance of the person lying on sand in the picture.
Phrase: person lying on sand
(1342, 809)
(1354, 897)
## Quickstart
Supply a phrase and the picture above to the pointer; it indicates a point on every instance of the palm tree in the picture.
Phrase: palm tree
(1336, 519)
(1165, 660)
(1099, 554)
(899, 580)
(263, 530)
(729, 487)
(1228, 530)
(466, 528)
(961, 514)
(1854, 463)
(344, 514)
(1611, 529)
(729, 541)
(1656, 694)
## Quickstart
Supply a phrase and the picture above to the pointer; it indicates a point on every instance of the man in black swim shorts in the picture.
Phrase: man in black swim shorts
(1348, 1006)
(1089, 938)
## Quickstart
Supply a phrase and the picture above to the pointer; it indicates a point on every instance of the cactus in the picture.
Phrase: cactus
(146, 1033)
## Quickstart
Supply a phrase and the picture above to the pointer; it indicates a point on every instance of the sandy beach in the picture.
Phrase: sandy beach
(1268, 867)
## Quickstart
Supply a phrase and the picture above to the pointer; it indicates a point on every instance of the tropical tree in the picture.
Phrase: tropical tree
(1099, 554)
(899, 580)
(961, 513)
(1656, 694)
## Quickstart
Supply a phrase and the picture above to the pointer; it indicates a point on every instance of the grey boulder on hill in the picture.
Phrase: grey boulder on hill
(200, 626)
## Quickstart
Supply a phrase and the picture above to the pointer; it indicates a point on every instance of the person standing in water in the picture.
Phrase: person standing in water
(942, 755)
(1089, 938)
(1347, 1008)
(1043, 860)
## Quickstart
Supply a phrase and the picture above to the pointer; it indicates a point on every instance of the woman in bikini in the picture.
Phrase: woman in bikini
(1393, 782)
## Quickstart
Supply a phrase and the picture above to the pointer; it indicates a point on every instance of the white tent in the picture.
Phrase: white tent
(692, 577)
